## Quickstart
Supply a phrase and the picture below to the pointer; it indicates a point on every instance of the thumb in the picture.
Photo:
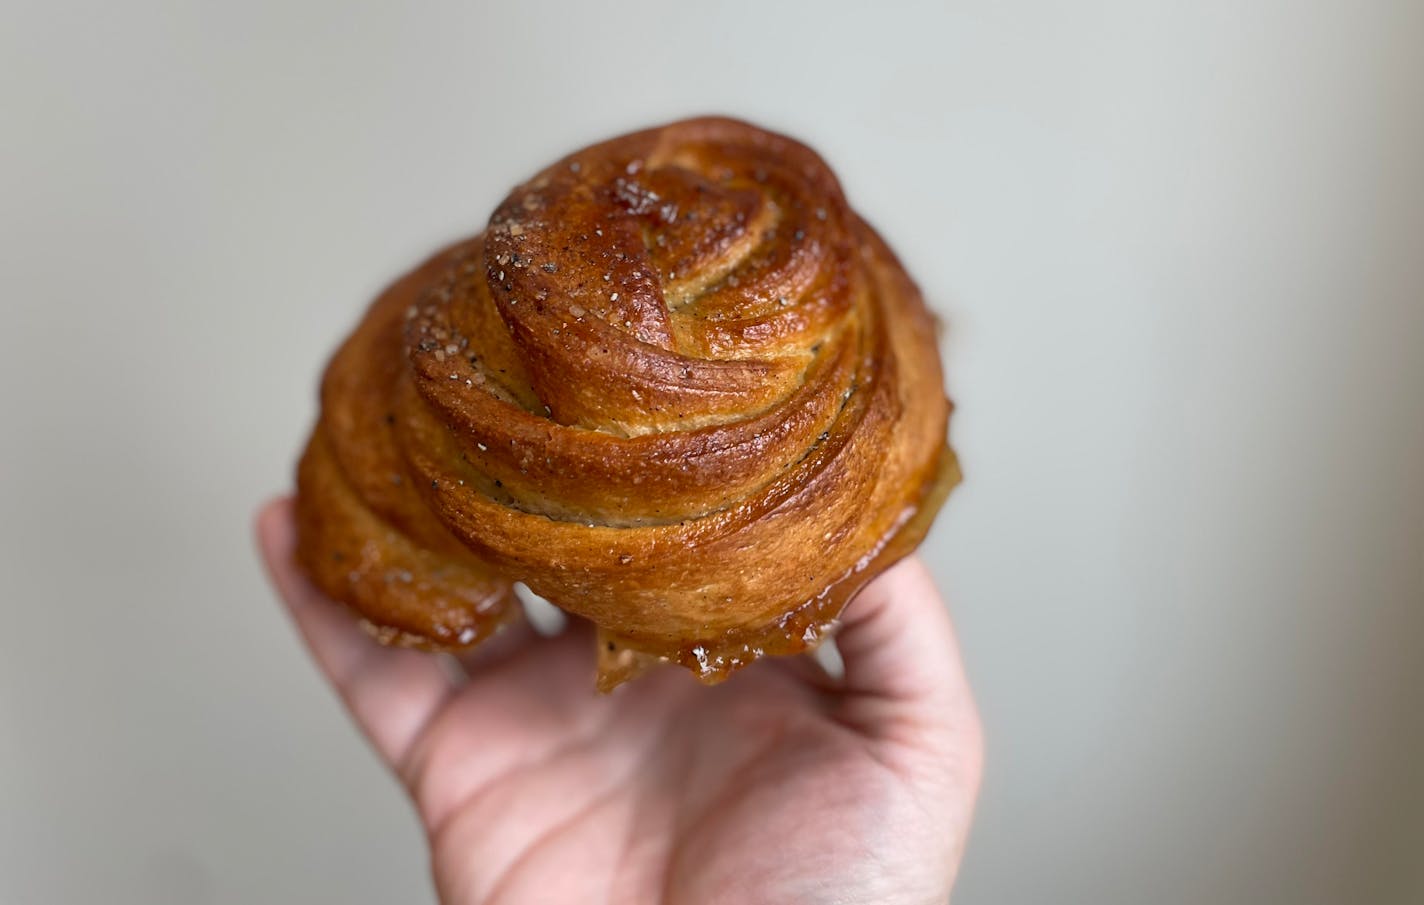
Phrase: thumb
(902, 662)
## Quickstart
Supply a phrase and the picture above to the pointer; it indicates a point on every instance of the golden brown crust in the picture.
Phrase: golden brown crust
(678, 388)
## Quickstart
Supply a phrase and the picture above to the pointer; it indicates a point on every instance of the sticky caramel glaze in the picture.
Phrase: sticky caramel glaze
(677, 387)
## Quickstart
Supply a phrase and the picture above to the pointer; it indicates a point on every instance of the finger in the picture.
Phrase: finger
(902, 662)
(819, 669)
(391, 693)
(512, 638)
(529, 625)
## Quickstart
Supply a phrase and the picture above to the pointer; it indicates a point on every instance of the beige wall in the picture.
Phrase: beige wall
(1180, 246)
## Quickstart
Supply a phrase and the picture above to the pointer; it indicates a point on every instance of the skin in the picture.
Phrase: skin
(779, 785)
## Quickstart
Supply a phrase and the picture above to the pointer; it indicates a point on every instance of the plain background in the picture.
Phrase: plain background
(1180, 250)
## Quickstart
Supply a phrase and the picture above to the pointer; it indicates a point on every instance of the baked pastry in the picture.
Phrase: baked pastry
(677, 388)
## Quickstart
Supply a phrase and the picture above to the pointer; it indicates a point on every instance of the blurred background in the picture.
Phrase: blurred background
(1180, 250)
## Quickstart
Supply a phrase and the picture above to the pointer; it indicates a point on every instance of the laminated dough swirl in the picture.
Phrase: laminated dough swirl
(677, 387)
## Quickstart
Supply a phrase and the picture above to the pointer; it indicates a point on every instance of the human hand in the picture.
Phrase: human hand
(779, 785)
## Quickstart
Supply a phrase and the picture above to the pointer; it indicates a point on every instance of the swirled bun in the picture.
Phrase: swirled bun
(677, 387)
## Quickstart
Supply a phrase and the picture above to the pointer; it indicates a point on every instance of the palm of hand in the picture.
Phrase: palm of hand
(776, 786)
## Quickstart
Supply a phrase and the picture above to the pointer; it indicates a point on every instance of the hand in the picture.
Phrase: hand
(778, 786)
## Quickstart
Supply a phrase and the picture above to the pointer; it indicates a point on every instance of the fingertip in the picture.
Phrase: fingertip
(909, 580)
(897, 608)
(897, 639)
(273, 527)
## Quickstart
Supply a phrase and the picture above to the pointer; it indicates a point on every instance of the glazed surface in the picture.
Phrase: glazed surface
(677, 387)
